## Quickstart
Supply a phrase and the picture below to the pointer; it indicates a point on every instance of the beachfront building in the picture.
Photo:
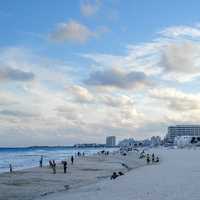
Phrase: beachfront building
(182, 130)
(155, 141)
(130, 142)
(110, 141)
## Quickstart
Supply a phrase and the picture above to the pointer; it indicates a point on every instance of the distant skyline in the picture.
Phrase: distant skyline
(77, 71)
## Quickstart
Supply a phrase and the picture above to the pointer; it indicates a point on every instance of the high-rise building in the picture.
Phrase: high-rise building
(110, 141)
(182, 130)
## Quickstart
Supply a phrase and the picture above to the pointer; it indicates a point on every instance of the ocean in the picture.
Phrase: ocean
(26, 157)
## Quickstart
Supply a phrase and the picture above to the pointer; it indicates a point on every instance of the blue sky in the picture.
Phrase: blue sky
(77, 71)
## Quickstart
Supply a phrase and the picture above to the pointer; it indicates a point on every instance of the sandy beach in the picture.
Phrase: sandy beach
(38, 183)
(175, 178)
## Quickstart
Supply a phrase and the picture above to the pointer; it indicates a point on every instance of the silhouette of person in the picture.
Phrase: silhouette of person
(54, 167)
(114, 176)
(65, 166)
(72, 160)
(41, 161)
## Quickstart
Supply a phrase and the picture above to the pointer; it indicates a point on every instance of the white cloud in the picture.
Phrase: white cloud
(80, 93)
(72, 31)
(177, 100)
(181, 60)
(181, 31)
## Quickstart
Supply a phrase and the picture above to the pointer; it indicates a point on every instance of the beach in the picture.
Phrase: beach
(176, 177)
(38, 183)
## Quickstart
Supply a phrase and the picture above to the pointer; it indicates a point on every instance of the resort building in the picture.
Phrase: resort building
(182, 130)
(110, 141)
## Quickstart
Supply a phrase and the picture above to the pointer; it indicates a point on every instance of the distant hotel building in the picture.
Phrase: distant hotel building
(182, 130)
(111, 141)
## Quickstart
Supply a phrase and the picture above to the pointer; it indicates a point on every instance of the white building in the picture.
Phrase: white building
(182, 130)
(110, 141)
(127, 142)
(155, 141)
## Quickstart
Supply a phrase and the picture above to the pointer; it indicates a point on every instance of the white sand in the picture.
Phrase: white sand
(36, 182)
(177, 177)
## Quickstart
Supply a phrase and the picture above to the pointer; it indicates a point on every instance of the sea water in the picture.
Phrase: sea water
(23, 158)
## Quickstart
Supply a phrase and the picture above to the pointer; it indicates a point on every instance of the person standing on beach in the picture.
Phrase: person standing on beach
(41, 161)
(153, 157)
(148, 159)
(72, 160)
(65, 166)
(54, 167)
(10, 167)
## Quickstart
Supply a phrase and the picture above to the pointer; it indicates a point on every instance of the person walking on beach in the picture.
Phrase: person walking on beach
(54, 167)
(65, 166)
(50, 164)
(72, 160)
(148, 158)
(41, 161)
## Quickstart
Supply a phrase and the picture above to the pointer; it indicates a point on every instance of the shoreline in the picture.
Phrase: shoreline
(35, 183)
(25, 159)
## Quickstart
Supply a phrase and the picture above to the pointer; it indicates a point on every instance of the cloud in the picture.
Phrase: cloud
(181, 31)
(181, 60)
(72, 31)
(175, 59)
(80, 94)
(177, 100)
(89, 8)
(7, 99)
(15, 113)
(10, 74)
(117, 100)
(117, 78)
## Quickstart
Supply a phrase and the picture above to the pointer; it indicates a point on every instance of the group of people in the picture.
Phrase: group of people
(149, 158)
(152, 158)
(115, 175)
(103, 152)
(52, 164)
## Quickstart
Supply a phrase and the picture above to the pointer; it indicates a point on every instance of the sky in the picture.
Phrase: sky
(77, 71)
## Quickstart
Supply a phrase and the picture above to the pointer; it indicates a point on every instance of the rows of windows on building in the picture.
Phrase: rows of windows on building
(178, 131)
